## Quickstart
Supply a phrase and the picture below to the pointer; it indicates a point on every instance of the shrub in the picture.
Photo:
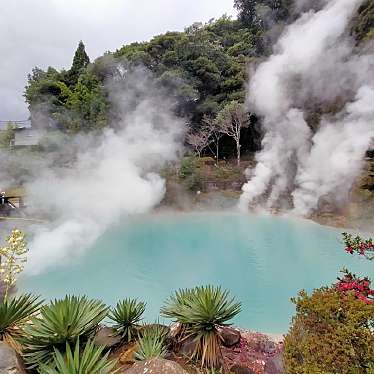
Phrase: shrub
(14, 314)
(90, 360)
(152, 343)
(200, 312)
(60, 322)
(13, 257)
(190, 172)
(127, 315)
(332, 332)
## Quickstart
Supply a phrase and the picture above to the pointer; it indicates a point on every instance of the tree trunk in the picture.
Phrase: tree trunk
(238, 151)
(217, 152)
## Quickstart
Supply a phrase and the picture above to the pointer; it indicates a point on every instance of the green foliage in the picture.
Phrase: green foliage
(190, 173)
(59, 322)
(80, 62)
(127, 315)
(88, 361)
(331, 333)
(14, 314)
(259, 14)
(87, 105)
(201, 311)
(202, 67)
(188, 166)
(152, 343)
(363, 27)
(7, 136)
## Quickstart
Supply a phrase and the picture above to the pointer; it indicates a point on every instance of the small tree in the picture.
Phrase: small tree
(12, 259)
(213, 128)
(231, 120)
(199, 139)
(80, 62)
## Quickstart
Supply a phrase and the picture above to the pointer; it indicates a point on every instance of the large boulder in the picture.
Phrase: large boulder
(156, 366)
(106, 337)
(10, 361)
(230, 336)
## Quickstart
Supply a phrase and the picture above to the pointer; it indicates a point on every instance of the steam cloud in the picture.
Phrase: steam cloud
(315, 64)
(111, 177)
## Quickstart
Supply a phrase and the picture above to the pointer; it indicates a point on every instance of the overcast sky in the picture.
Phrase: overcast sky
(46, 33)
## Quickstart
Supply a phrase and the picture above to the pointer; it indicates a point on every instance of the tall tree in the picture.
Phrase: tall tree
(232, 119)
(80, 62)
(247, 11)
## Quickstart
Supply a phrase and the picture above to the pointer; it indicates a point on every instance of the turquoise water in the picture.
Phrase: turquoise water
(262, 260)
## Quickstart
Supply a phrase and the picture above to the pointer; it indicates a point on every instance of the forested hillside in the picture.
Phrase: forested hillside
(203, 69)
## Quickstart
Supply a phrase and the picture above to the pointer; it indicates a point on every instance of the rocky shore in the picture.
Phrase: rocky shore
(243, 352)
(217, 190)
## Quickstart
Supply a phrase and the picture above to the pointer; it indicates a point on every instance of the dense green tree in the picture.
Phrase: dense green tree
(87, 105)
(260, 14)
(80, 62)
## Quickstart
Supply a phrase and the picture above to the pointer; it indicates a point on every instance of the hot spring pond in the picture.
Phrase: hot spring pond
(262, 260)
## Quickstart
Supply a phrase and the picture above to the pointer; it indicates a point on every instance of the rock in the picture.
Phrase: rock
(10, 361)
(188, 346)
(106, 337)
(263, 344)
(128, 355)
(237, 369)
(156, 366)
(165, 330)
(230, 336)
(274, 365)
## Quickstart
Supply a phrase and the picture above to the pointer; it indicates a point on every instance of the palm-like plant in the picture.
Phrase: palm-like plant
(58, 323)
(14, 314)
(89, 361)
(152, 343)
(127, 315)
(200, 312)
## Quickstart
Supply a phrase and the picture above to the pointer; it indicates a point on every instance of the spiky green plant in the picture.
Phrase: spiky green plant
(127, 315)
(14, 313)
(88, 361)
(60, 322)
(201, 311)
(152, 343)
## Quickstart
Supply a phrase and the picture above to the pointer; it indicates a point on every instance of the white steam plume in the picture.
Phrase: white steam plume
(114, 177)
(314, 64)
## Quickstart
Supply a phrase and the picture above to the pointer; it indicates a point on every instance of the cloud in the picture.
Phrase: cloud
(46, 32)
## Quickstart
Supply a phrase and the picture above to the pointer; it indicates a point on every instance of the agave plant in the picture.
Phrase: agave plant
(152, 343)
(127, 315)
(58, 323)
(89, 361)
(201, 311)
(14, 314)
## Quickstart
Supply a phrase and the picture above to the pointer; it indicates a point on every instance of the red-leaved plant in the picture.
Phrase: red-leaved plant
(360, 286)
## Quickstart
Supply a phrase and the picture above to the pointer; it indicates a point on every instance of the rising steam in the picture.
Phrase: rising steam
(112, 176)
(315, 64)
